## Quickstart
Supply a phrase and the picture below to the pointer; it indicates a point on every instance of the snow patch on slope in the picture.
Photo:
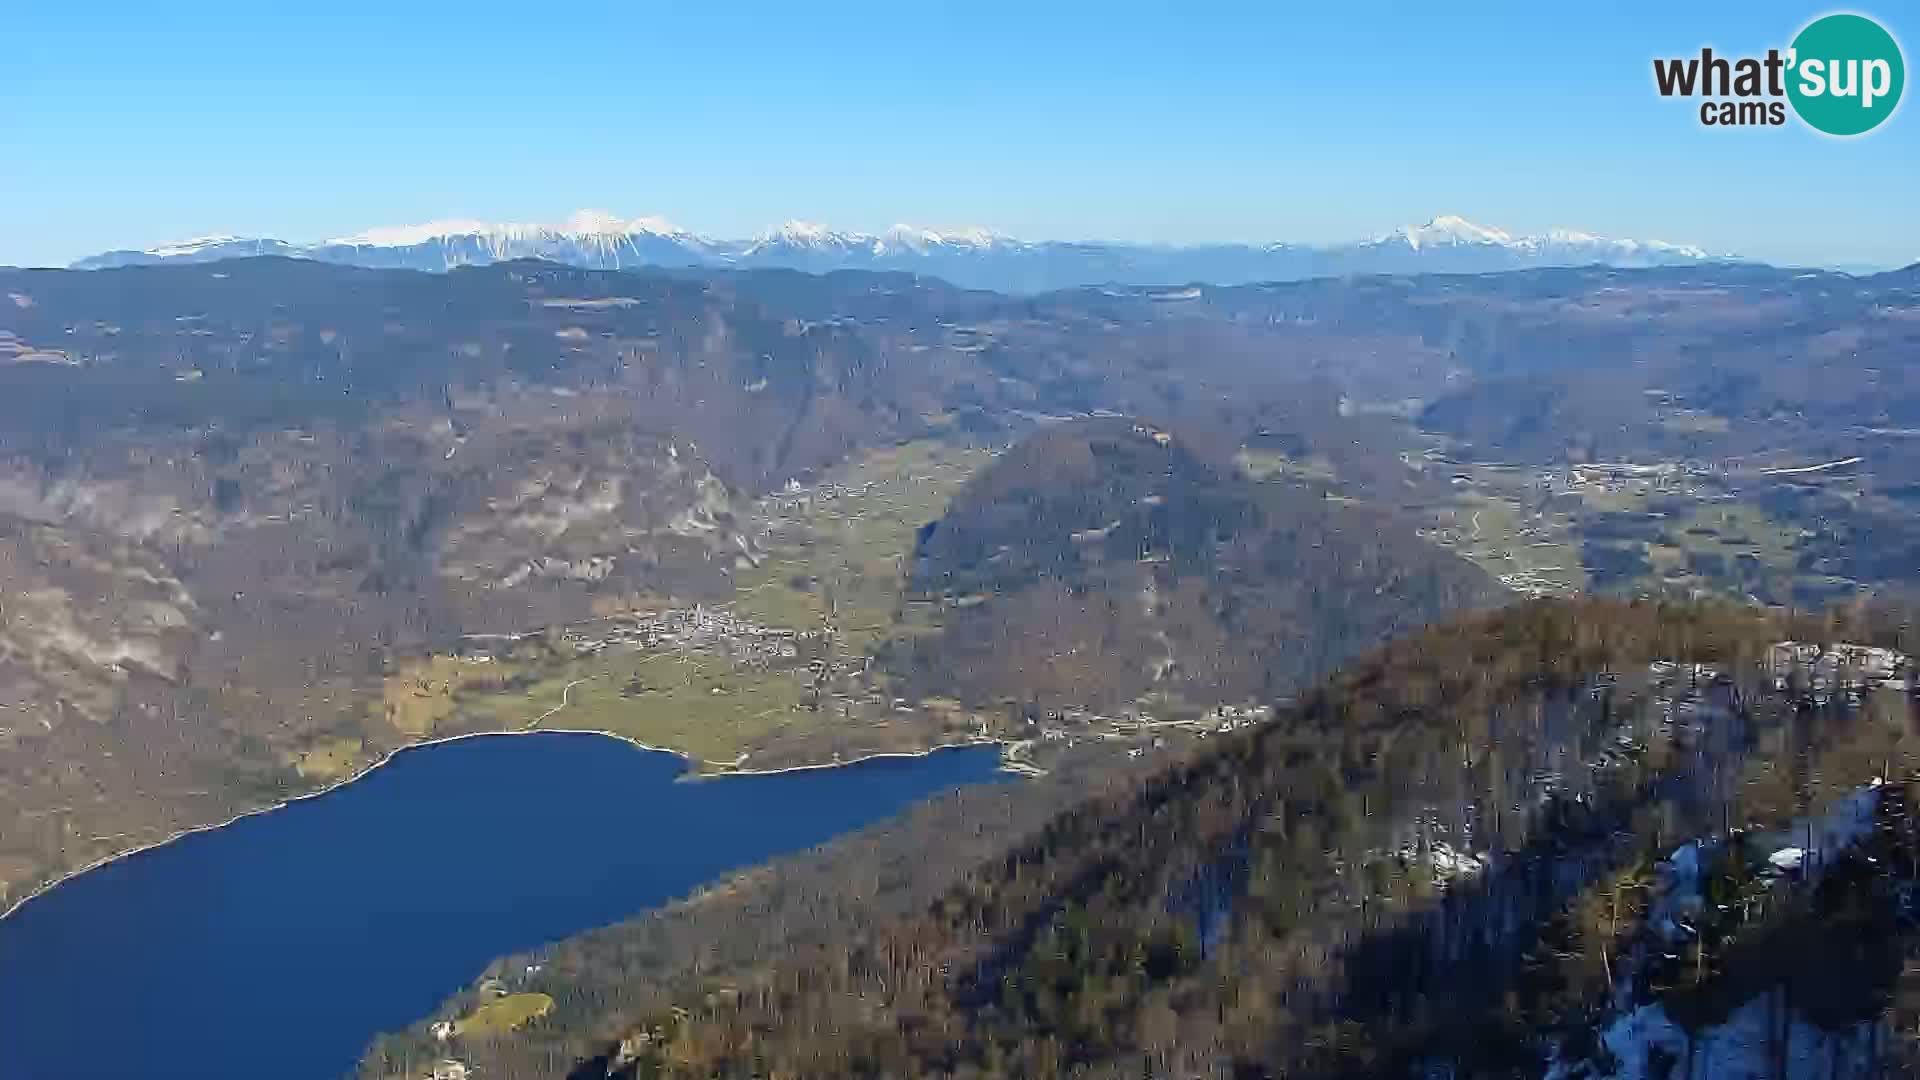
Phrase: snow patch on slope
(184, 248)
(1646, 1045)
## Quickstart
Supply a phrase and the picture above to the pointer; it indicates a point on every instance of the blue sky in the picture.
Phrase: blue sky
(131, 125)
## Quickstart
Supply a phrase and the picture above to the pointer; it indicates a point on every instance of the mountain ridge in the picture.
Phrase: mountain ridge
(969, 256)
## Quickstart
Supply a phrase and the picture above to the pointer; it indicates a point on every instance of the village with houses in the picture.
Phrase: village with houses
(844, 686)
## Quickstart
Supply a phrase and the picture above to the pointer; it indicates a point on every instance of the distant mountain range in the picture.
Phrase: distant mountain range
(975, 258)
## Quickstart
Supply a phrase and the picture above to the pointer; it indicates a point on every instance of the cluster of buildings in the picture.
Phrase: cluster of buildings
(1563, 490)
(1158, 436)
(1617, 476)
(1071, 724)
(796, 497)
(696, 629)
(1843, 666)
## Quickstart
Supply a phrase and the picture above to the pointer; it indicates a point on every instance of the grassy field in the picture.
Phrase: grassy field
(1495, 529)
(332, 759)
(706, 706)
(421, 694)
(1263, 465)
(1723, 531)
(502, 1015)
(1713, 545)
(834, 560)
(1689, 421)
(843, 559)
(1731, 528)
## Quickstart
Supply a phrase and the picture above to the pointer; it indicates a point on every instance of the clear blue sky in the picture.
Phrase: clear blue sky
(130, 125)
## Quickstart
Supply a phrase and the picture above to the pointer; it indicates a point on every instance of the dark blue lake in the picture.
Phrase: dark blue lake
(293, 937)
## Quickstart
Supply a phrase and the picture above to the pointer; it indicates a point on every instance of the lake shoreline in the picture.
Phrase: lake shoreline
(691, 773)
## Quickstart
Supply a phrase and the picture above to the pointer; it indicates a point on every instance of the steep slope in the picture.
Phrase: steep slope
(1105, 560)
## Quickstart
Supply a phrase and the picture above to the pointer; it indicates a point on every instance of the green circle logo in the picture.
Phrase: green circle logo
(1845, 74)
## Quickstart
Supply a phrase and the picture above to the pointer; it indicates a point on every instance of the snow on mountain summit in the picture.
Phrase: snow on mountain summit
(807, 234)
(972, 256)
(812, 237)
(1572, 236)
(917, 239)
(409, 235)
(582, 223)
(196, 244)
(1450, 229)
(1562, 245)
(602, 223)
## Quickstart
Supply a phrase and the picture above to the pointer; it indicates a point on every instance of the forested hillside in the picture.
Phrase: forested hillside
(1099, 561)
(1415, 863)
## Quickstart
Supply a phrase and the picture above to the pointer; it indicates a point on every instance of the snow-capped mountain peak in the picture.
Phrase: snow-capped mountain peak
(808, 236)
(1449, 229)
(1556, 246)
(602, 223)
(581, 224)
(799, 230)
(973, 257)
(425, 232)
(921, 240)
